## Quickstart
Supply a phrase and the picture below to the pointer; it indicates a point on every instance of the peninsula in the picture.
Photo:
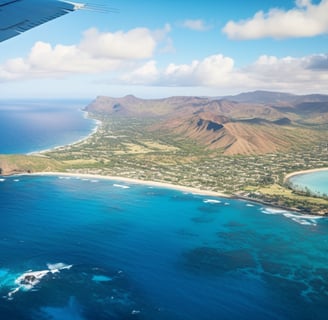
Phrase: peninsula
(242, 146)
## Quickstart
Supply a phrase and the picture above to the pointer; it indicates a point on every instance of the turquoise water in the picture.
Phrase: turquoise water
(75, 248)
(79, 249)
(316, 182)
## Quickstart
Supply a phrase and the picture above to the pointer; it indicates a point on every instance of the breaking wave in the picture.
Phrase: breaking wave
(296, 217)
(30, 279)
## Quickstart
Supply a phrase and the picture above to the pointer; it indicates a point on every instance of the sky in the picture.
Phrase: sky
(156, 49)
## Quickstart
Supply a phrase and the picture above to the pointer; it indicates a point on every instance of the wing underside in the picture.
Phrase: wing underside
(18, 16)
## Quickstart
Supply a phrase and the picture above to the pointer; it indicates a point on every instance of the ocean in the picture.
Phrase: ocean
(78, 248)
(35, 125)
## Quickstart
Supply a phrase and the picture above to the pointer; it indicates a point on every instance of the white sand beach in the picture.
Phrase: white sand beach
(135, 181)
(292, 174)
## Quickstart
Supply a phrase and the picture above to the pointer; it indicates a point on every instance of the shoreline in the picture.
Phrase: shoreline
(185, 189)
(182, 188)
(297, 173)
(133, 181)
(94, 130)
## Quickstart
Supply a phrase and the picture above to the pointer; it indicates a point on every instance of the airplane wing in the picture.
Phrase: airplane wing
(18, 16)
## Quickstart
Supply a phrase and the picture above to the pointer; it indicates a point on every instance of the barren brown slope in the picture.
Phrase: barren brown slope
(173, 106)
(235, 127)
(133, 106)
(255, 139)
(237, 137)
(231, 137)
(243, 110)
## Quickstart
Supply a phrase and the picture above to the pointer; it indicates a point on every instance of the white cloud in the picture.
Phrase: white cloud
(97, 52)
(305, 20)
(164, 41)
(287, 74)
(197, 25)
(131, 66)
(213, 70)
(298, 75)
(135, 44)
(146, 74)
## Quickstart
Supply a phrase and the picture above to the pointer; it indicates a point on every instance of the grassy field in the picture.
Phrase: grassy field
(279, 195)
(15, 164)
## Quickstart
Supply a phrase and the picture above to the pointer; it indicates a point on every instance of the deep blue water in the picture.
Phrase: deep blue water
(77, 248)
(316, 182)
(27, 126)
(149, 253)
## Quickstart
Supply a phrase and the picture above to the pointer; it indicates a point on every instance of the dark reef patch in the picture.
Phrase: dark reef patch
(212, 261)
(203, 219)
(234, 224)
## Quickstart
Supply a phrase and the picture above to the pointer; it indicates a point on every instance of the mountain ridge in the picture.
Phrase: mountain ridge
(249, 123)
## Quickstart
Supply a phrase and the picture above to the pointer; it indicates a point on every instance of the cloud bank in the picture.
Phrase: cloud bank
(119, 59)
(97, 52)
(299, 75)
(305, 20)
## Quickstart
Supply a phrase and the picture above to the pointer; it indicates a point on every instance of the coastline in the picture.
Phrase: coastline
(296, 173)
(134, 181)
(98, 123)
(164, 185)
(193, 190)
(185, 189)
(94, 130)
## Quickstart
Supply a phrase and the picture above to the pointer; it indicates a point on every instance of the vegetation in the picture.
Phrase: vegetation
(123, 147)
(15, 164)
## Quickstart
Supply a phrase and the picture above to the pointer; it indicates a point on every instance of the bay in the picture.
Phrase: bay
(316, 182)
(101, 251)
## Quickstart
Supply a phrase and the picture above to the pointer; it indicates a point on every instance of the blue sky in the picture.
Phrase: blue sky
(159, 48)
